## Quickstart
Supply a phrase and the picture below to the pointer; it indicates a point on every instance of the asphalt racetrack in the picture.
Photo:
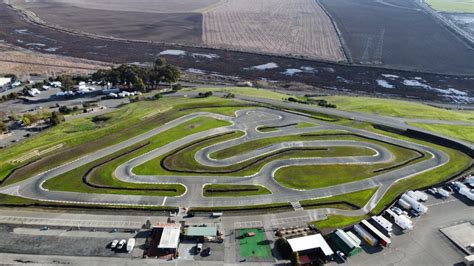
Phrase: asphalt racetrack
(247, 121)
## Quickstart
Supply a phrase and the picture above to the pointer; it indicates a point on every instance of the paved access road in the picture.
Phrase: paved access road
(247, 120)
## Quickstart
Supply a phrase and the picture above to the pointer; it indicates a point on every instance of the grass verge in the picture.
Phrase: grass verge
(344, 201)
(338, 221)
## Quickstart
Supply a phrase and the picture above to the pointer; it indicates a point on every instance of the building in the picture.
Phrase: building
(201, 233)
(165, 240)
(311, 248)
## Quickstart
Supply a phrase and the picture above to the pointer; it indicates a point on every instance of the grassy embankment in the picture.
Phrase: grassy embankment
(83, 135)
(462, 132)
(411, 110)
(103, 175)
(231, 190)
(456, 6)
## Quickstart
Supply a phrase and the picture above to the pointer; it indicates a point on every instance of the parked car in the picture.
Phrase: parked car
(121, 244)
(341, 255)
(433, 191)
(414, 213)
(114, 244)
(397, 210)
(190, 215)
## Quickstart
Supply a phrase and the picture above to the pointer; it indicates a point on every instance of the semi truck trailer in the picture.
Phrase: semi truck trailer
(414, 204)
(365, 235)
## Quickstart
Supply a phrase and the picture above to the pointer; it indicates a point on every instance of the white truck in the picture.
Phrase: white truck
(401, 220)
(421, 195)
(417, 206)
(464, 190)
(382, 224)
(443, 193)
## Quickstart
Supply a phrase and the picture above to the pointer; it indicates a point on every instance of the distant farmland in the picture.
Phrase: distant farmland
(402, 35)
(289, 27)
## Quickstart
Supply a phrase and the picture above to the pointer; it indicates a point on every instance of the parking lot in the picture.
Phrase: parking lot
(64, 241)
(425, 244)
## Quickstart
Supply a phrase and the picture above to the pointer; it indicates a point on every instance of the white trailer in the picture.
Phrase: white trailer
(384, 223)
(130, 244)
(354, 237)
(417, 206)
(365, 235)
(401, 220)
(404, 204)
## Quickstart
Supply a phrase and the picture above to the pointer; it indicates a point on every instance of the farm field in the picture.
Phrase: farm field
(183, 27)
(288, 27)
(329, 76)
(401, 36)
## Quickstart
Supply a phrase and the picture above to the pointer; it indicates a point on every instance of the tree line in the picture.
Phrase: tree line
(140, 78)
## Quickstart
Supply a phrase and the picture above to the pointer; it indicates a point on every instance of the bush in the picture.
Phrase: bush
(205, 94)
(101, 118)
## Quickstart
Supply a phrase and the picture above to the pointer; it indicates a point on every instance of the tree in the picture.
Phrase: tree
(3, 127)
(170, 74)
(56, 118)
(295, 259)
(67, 83)
(26, 121)
(138, 84)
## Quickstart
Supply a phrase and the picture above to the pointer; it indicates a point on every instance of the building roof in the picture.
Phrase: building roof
(310, 242)
(201, 231)
(169, 238)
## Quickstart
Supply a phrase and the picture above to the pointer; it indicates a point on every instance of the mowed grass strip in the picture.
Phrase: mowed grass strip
(82, 135)
(232, 190)
(103, 175)
(182, 161)
(357, 198)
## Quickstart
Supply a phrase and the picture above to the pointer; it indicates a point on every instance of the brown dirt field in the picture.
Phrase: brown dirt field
(296, 27)
(165, 27)
(147, 6)
(22, 62)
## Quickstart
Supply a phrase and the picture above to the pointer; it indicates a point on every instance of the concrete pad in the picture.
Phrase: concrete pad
(462, 235)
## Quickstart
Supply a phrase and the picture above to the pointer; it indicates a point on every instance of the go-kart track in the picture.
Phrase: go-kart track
(248, 121)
